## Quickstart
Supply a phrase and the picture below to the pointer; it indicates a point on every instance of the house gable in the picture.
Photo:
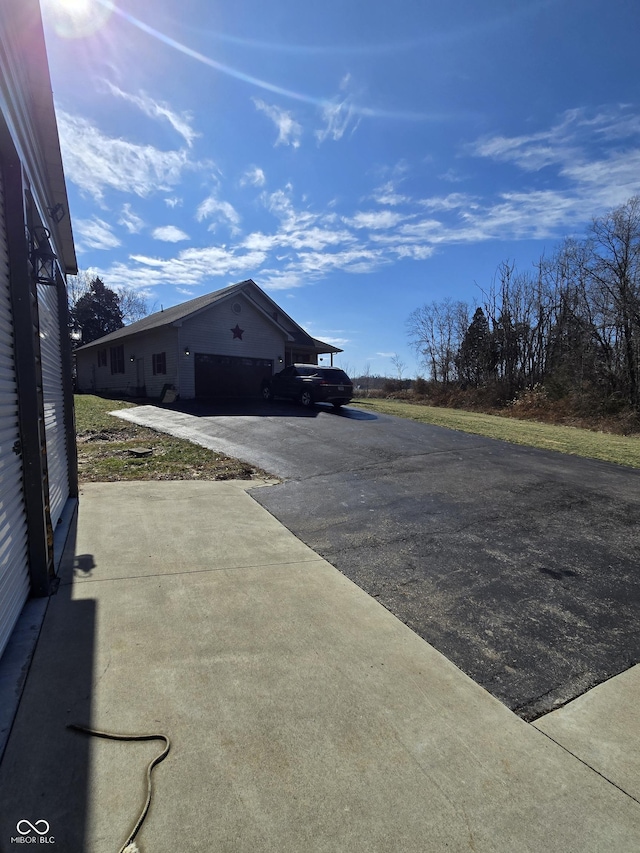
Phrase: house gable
(236, 328)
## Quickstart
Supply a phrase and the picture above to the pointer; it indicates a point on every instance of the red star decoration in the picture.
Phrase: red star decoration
(237, 332)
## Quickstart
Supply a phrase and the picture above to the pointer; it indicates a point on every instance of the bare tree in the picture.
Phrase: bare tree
(344, 365)
(77, 286)
(573, 323)
(436, 331)
(366, 377)
(399, 365)
(132, 304)
(614, 270)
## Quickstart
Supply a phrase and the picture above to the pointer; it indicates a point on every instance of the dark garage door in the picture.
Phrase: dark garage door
(230, 376)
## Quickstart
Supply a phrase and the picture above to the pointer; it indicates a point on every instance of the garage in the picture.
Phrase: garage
(38, 478)
(215, 346)
(226, 376)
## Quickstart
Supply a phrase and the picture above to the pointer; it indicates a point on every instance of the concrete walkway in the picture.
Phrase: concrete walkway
(303, 715)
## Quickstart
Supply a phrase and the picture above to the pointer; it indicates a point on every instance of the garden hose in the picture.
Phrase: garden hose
(129, 846)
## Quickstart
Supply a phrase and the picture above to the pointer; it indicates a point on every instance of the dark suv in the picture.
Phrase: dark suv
(310, 384)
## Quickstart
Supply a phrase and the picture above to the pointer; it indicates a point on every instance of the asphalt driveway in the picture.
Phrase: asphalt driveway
(521, 566)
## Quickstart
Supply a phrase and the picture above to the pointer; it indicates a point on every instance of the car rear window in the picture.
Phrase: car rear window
(329, 374)
(335, 375)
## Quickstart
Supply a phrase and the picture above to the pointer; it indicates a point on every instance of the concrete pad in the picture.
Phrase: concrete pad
(601, 728)
(202, 526)
(303, 715)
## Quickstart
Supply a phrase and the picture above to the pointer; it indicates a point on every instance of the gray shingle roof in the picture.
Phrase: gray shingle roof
(179, 312)
(168, 315)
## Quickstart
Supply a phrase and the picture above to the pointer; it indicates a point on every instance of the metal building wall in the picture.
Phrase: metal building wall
(14, 571)
(53, 392)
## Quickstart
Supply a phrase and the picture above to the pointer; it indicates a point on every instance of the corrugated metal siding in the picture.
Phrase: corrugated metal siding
(14, 576)
(57, 462)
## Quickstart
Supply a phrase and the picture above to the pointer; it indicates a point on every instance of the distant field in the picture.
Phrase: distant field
(623, 450)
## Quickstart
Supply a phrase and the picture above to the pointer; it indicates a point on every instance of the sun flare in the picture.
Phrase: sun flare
(77, 18)
(75, 7)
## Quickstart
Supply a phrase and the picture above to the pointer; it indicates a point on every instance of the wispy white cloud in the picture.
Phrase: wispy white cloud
(278, 279)
(613, 178)
(375, 219)
(254, 176)
(387, 194)
(280, 204)
(337, 337)
(173, 202)
(413, 251)
(334, 341)
(130, 220)
(180, 122)
(596, 156)
(289, 130)
(169, 233)
(220, 211)
(191, 268)
(572, 139)
(303, 244)
(453, 201)
(304, 229)
(147, 261)
(452, 176)
(94, 233)
(531, 153)
(96, 162)
(353, 259)
(339, 113)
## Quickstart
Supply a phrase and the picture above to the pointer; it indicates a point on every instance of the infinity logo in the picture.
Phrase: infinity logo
(32, 827)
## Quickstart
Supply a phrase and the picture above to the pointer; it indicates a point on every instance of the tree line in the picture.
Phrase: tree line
(572, 324)
(96, 310)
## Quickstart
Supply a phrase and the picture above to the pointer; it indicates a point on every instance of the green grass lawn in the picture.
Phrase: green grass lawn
(105, 443)
(623, 450)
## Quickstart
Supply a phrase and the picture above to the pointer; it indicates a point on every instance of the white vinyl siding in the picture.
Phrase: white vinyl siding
(93, 378)
(211, 332)
(14, 575)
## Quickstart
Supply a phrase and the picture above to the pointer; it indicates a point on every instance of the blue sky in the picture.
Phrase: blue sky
(356, 159)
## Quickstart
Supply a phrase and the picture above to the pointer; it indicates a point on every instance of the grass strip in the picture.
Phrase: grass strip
(105, 444)
(623, 450)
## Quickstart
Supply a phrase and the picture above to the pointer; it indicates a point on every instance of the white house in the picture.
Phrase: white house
(223, 344)
(38, 472)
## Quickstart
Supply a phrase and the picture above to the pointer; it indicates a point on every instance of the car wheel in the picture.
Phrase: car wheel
(266, 393)
(306, 398)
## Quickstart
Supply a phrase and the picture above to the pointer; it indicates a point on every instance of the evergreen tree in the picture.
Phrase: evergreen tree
(97, 312)
(474, 360)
